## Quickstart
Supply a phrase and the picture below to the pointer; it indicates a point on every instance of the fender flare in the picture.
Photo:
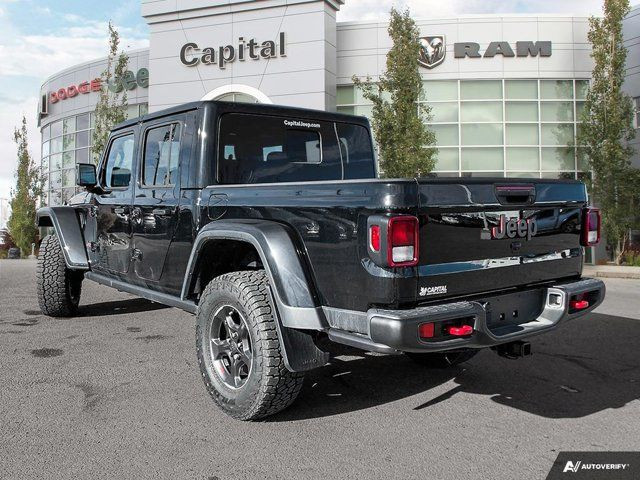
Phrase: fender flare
(290, 285)
(66, 224)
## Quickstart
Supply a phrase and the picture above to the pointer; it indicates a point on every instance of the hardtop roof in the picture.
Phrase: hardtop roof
(254, 108)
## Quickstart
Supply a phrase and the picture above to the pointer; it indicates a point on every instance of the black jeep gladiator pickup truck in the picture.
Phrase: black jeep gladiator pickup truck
(270, 224)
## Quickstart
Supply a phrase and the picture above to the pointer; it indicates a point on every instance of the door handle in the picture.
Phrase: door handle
(161, 212)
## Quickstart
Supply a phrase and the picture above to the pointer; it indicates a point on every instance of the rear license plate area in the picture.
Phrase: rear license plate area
(514, 308)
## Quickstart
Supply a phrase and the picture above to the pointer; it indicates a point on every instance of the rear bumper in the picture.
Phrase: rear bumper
(397, 330)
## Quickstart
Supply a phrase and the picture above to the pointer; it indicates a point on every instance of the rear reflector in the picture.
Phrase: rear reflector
(461, 331)
(591, 223)
(374, 238)
(579, 304)
(426, 330)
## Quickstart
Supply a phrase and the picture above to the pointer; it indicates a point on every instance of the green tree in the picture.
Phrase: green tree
(405, 142)
(112, 104)
(607, 126)
(21, 224)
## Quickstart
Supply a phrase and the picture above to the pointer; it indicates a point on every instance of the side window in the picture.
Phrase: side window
(119, 162)
(161, 154)
(267, 149)
(356, 151)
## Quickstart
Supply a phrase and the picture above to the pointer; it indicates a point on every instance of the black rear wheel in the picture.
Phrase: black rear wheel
(239, 350)
(442, 359)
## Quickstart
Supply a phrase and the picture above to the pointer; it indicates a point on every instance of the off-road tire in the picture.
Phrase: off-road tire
(442, 359)
(57, 286)
(269, 387)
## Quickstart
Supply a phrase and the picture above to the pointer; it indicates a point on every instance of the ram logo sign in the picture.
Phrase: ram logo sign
(432, 51)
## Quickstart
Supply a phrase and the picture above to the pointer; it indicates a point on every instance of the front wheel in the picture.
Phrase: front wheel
(58, 287)
(442, 359)
(238, 348)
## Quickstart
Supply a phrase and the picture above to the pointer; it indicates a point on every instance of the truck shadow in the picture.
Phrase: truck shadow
(119, 307)
(585, 366)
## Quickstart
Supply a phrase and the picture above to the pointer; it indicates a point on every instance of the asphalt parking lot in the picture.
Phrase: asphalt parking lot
(116, 393)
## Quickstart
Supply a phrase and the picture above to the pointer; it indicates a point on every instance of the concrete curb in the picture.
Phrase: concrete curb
(631, 273)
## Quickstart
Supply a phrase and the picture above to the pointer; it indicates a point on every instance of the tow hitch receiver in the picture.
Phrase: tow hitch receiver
(513, 350)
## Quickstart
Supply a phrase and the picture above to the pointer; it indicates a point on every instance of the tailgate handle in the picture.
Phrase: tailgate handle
(516, 194)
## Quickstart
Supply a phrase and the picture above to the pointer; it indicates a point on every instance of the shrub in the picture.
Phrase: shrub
(632, 258)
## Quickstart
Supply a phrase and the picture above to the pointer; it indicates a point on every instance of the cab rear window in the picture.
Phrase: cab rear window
(270, 149)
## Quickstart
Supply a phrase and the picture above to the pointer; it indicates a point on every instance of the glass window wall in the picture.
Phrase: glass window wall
(511, 127)
(65, 143)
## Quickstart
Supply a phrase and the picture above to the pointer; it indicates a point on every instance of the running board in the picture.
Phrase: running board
(357, 340)
(147, 293)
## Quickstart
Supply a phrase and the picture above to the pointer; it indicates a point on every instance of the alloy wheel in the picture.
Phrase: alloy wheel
(231, 350)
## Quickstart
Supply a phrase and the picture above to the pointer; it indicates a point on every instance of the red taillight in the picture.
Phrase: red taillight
(426, 330)
(578, 304)
(591, 222)
(402, 241)
(374, 238)
(461, 331)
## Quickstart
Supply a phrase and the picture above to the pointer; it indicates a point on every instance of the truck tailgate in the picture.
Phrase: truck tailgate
(481, 235)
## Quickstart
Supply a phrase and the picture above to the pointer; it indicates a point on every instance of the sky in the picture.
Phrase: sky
(41, 37)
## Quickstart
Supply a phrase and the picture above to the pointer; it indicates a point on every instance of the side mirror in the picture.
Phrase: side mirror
(86, 175)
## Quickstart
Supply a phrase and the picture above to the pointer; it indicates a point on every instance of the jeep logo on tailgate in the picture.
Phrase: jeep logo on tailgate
(515, 228)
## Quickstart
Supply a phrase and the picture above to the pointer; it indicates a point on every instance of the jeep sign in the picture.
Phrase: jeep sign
(515, 228)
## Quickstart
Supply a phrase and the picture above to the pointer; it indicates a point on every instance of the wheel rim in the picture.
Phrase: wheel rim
(230, 343)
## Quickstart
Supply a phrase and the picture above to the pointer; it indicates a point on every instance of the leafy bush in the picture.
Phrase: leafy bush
(632, 258)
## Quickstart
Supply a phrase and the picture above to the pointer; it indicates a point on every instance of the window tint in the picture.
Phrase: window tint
(161, 152)
(265, 149)
(119, 162)
(303, 146)
(356, 150)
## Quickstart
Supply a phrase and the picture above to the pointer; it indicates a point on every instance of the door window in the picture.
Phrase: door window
(119, 162)
(161, 152)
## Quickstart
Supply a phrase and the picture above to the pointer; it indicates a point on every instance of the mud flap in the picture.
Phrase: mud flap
(299, 351)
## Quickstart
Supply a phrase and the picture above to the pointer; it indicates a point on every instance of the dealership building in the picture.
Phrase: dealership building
(506, 91)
